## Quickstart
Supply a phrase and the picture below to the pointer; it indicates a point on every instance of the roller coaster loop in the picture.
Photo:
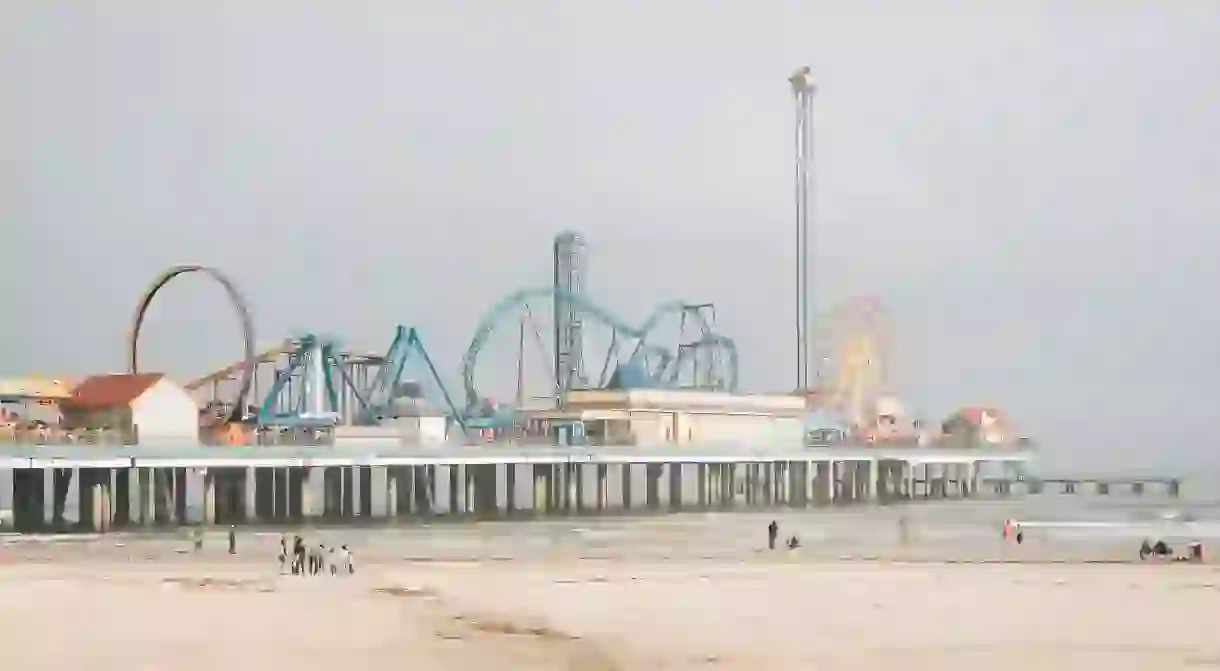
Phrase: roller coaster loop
(239, 304)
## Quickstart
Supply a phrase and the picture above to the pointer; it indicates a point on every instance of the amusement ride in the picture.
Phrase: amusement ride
(315, 384)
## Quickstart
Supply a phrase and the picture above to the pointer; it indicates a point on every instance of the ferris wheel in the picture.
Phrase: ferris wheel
(854, 343)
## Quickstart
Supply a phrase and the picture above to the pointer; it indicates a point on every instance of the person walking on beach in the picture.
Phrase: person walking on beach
(232, 539)
(347, 561)
(334, 567)
(283, 551)
(298, 556)
(317, 559)
(772, 534)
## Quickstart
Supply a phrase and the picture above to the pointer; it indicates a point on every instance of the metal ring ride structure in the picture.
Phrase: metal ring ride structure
(239, 304)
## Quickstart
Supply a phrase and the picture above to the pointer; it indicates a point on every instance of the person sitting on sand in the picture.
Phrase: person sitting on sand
(794, 543)
(1159, 549)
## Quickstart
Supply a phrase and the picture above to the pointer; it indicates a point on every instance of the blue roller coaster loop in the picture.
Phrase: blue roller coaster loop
(381, 391)
(663, 357)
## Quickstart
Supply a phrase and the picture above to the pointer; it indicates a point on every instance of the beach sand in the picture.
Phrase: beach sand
(537, 598)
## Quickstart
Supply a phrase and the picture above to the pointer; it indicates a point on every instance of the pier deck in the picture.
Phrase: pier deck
(116, 486)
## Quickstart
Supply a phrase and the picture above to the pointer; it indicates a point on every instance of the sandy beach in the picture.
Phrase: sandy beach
(516, 596)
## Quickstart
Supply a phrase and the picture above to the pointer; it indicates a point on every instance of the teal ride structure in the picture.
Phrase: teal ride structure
(635, 358)
(319, 387)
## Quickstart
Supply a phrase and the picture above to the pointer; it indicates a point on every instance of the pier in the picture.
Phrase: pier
(147, 486)
(1098, 485)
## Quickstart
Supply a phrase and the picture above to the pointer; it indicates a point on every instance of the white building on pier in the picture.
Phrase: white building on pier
(651, 416)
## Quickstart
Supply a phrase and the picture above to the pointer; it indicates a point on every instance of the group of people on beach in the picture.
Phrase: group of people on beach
(1161, 550)
(302, 559)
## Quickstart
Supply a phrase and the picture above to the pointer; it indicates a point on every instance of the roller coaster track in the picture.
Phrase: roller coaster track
(665, 372)
(268, 355)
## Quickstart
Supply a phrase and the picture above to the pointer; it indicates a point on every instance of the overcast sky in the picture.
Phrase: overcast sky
(1029, 187)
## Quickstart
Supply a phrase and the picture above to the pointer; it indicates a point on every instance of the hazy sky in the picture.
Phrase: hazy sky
(1030, 187)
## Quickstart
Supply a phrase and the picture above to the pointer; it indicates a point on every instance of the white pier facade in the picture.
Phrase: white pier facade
(97, 488)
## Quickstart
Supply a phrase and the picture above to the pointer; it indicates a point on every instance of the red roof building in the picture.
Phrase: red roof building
(147, 407)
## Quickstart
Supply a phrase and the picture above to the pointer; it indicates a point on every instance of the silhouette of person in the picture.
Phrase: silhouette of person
(772, 534)
(298, 556)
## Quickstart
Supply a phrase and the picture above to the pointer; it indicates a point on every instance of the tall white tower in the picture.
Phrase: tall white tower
(803, 90)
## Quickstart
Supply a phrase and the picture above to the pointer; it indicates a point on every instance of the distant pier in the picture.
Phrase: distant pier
(1098, 485)
(144, 486)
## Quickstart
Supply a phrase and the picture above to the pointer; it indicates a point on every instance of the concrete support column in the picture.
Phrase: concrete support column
(793, 483)
(93, 491)
(347, 505)
(577, 486)
(264, 494)
(86, 503)
(391, 492)
(295, 494)
(702, 477)
(61, 484)
(364, 474)
(425, 489)
(603, 487)
(874, 479)
(249, 500)
(470, 494)
(675, 486)
(209, 497)
(278, 493)
(558, 489)
(652, 486)
(625, 470)
(29, 499)
(542, 488)
(313, 487)
(181, 491)
(163, 495)
(148, 496)
(510, 489)
(279, 505)
(456, 489)
(332, 492)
